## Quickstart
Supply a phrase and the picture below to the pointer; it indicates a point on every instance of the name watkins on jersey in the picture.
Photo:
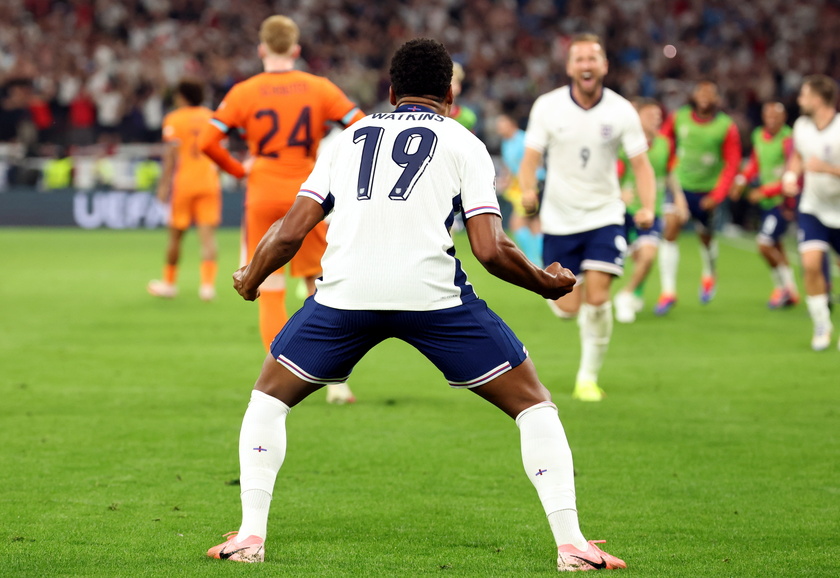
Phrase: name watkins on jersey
(407, 116)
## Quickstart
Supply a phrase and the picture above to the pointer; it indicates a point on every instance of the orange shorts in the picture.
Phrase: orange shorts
(259, 217)
(198, 208)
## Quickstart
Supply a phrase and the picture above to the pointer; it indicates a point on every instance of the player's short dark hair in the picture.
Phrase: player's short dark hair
(822, 85)
(421, 67)
(192, 90)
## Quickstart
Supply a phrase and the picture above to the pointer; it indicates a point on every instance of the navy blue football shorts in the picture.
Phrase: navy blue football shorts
(814, 235)
(637, 237)
(773, 226)
(601, 249)
(698, 213)
(469, 343)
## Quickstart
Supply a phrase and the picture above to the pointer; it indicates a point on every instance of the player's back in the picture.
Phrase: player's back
(283, 117)
(194, 171)
(397, 180)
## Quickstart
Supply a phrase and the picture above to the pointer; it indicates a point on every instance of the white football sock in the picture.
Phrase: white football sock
(262, 448)
(547, 460)
(818, 308)
(669, 260)
(596, 324)
(776, 276)
(787, 278)
(708, 257)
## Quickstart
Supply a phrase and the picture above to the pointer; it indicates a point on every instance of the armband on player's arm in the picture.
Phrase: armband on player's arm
(210, 143)
(354, 115)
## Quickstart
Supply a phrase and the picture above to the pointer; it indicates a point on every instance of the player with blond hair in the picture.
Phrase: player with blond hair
(282, 113)
(190, 184)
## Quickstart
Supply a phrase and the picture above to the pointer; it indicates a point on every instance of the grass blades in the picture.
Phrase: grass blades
(716, 452)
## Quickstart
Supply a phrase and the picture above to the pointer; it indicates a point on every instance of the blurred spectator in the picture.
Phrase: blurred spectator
(81, 118)
(127, 53)
(15, 117)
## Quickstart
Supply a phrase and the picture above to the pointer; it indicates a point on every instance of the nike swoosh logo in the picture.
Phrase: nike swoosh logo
(600, 565)
(225, 555)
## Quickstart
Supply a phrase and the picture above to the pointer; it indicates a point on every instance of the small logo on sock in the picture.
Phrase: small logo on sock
(540, 472)
(260, 449)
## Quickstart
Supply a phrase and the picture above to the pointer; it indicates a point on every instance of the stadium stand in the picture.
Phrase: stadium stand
(80, 72)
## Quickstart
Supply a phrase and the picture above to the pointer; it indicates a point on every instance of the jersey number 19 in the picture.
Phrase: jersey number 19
(413, 149)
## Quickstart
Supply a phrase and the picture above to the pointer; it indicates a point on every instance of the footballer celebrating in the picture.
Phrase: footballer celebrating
(393, 183)
(580, 129)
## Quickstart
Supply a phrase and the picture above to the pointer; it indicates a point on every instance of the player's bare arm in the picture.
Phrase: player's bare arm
(680, 203)
(790, 178)
(278, 246)
(502, 258)
(531, 161)
(817, 165)
(646, 189)
(164, 189)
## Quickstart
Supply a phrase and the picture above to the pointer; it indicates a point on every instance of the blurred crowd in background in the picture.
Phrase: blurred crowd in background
(74, 73)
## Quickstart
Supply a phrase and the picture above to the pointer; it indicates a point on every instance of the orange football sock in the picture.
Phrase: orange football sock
(170, 273)
(208, 272)
(272, 314)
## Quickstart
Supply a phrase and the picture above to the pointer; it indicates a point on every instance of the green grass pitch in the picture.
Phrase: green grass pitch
(716, 452)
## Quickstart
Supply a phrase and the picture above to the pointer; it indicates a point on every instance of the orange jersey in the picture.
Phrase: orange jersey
(283, 117)
(194, 171)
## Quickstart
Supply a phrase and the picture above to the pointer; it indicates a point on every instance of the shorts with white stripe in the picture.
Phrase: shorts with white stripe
(601, 249)
(469, 343)
(814, 235)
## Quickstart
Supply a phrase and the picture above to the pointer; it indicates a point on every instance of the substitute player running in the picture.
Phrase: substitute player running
(816, 141)
(643, 243)
(580, 128)
(190, 184)
(772, 145)
(393, 184)
(282, 114)
(709, 155)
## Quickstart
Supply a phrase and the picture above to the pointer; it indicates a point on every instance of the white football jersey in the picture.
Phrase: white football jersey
(581, 185)
(821, 191)
(394, 182)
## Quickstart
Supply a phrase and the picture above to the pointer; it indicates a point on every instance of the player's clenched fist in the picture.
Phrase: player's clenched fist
(563, 281)
(248, 293)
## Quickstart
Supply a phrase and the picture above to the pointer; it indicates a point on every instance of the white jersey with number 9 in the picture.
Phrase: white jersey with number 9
(581, 186)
